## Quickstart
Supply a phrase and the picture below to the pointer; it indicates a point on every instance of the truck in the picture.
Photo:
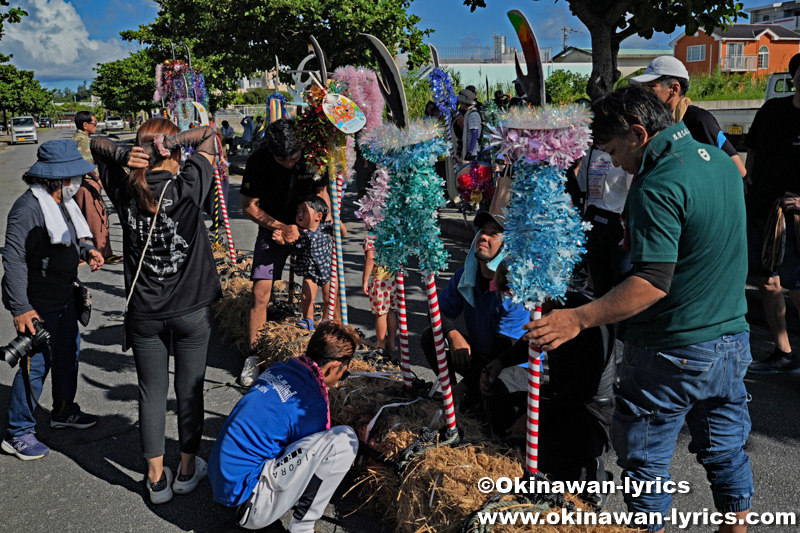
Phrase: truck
(736, 116)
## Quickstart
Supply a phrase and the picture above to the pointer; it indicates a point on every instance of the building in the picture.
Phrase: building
(759, 48)
(629, 60)
(786, 14)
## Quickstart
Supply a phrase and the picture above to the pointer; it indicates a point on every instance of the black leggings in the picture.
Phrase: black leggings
(187, 337)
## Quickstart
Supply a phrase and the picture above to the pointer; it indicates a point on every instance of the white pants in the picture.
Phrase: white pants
(305, 475)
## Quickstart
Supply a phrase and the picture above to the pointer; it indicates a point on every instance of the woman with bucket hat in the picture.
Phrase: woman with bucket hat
(44, 243)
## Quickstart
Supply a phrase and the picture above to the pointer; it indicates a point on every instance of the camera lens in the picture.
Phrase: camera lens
(17, 349)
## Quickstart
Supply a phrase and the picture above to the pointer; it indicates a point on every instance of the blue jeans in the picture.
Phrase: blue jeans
(62, 355)
(186, 336)
(701, 384)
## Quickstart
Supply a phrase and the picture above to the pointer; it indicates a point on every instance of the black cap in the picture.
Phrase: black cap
(484, 217)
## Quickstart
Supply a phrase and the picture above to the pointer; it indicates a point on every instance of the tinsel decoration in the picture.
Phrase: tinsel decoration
(444, 96)
(314, 130)
(361, 86)
(175, 81)
(281, 101)
(544, 234)
(477, 184)
(410, 225)
(554, 135)
(372, 205)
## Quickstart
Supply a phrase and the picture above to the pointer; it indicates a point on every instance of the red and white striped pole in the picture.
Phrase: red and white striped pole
(405, 356)
(441, 356)
(225, 215)
(532, 441)
(337, 234)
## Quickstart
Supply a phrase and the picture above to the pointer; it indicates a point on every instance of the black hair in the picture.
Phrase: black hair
(794, 63)
(331, 341)
(49, 185)
(281, 138)
(225, 124)
(669, 80)
(317, 204)
(615, 113)
(81, 118)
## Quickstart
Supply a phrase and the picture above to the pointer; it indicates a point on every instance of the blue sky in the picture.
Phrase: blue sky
(62, 40)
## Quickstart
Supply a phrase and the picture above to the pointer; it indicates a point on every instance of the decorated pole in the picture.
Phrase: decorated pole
(441, 354)
(402, 320)
(532, 441)
(410, 223)
(337, 232)
(330, 308)
(544, 234)
(221, 199)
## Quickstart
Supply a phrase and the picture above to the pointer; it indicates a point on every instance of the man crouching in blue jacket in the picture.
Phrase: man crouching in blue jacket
(277, 449)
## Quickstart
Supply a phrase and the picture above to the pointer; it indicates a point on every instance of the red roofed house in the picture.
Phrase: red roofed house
(759, 48)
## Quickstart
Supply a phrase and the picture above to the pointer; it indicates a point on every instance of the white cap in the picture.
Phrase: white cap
(661, 66)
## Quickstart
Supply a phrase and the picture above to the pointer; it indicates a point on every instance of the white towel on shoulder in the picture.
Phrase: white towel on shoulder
(54, 218)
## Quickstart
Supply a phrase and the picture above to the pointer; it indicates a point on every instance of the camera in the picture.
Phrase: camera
(25, 345)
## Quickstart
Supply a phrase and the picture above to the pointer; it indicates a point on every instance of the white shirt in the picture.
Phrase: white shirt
(606, 186)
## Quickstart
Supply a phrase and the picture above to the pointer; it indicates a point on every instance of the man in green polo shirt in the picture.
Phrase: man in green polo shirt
(687, 343)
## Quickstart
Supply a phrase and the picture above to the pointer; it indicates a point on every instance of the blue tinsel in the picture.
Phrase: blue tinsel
(544, 235)
(444, 96)
(410, 225)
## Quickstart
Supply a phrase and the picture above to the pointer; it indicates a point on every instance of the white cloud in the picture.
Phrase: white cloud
(53, 42)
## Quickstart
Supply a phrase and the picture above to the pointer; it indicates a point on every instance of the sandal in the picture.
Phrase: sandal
(306, 323)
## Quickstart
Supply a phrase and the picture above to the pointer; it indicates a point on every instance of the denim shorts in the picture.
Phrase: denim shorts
(701, 384)
(789, 270)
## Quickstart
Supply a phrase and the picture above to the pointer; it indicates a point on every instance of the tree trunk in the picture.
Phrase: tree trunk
(604, 61)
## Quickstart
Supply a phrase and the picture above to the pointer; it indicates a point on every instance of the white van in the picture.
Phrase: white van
(23, 129)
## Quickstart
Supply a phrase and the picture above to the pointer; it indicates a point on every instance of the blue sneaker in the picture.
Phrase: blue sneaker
(78, 419)
(26, 447)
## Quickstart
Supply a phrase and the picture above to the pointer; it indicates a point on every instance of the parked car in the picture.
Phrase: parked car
(23, 129)
(45, 122)
(114, 123)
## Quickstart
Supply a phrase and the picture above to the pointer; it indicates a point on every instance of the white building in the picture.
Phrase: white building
(786, 14)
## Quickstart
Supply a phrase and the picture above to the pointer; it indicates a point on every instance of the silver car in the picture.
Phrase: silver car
(23, 129)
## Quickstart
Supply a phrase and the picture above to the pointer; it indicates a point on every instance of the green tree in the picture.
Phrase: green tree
(255, 96)
(21, 94)
(564, 87)
(238, 37)
(126, 85)
(12, 16)
(612, 21)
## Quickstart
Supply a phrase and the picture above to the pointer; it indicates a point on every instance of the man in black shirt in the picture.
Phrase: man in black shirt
(773, 163)
(274, 183)
(667, 78)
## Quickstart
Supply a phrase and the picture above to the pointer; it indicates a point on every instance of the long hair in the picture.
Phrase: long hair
(137, 185)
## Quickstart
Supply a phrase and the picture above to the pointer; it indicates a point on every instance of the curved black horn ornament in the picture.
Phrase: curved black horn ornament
(390, 82)
(321, 58)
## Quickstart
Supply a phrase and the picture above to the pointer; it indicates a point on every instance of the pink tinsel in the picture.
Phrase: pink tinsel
(361, 86)
(557, 135)
(159, 94)
(373, 203)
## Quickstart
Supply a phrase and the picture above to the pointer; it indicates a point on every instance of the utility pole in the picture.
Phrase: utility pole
(565, 29)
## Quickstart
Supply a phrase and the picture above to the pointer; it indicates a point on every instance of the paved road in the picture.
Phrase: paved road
(92, 480)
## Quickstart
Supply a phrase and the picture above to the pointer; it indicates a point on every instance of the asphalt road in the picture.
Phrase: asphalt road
(93, 479)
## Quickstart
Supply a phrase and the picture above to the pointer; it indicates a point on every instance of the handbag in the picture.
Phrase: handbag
(83, 302)
(125, 344)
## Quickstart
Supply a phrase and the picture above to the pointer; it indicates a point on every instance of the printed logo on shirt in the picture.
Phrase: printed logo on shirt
(167, 250)
(680, 134)
(704, 154)
(278, 384)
